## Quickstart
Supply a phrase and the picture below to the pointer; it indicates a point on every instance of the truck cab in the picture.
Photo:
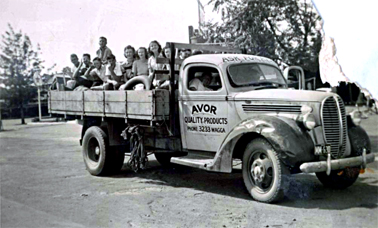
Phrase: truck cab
(244, 111)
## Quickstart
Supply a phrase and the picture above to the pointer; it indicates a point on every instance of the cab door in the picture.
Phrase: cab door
(203, 114)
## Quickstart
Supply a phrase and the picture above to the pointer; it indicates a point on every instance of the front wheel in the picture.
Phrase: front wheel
(339, 179)
(262, 171)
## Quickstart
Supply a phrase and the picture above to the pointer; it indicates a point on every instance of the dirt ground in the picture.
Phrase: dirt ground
(44, 184)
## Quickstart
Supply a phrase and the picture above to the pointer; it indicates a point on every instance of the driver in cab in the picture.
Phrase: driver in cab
(201, 83)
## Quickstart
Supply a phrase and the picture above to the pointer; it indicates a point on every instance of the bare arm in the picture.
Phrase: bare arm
(134, 70)
(76, 73)
(88, 71)
(112, 75)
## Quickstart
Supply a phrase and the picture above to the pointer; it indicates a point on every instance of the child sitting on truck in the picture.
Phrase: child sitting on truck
(103, 52)
(99, 71)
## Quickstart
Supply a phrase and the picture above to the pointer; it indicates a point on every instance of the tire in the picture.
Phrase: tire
(264, 182)
(164, 159)
(339, 179)
(99, 158)
(136, 80)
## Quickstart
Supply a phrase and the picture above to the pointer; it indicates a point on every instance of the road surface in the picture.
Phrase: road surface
(44, 184)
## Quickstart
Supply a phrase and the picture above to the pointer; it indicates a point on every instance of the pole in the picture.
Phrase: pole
(39, 103)
(1, 120)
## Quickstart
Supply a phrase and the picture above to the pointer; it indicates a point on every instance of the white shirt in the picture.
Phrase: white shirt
(117, 70)
(196, 85)
(73, 69)
(99, 73)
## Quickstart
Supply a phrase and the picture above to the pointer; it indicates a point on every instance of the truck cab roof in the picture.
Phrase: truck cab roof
(227, 59)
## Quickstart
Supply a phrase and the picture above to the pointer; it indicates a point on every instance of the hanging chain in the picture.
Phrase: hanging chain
(138, 158)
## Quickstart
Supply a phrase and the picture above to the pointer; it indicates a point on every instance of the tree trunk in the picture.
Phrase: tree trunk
(22, 112)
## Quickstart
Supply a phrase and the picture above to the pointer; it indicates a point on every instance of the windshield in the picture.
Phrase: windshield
(255, 74)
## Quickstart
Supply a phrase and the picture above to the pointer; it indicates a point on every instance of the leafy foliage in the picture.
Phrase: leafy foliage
(18, 62)
(283, 30)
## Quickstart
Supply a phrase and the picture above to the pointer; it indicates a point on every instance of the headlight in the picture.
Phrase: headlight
(306, 109)
(309, 121)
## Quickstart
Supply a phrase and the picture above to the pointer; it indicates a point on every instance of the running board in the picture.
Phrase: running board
(207, 161)
(199, 163)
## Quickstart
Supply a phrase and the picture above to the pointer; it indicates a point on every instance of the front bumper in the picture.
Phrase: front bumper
(337, 164)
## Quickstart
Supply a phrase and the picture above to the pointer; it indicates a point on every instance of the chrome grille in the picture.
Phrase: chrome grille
(344, 126)
(334, 125)
(272, 108)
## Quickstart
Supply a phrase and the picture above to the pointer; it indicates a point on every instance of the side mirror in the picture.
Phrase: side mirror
(294, 76)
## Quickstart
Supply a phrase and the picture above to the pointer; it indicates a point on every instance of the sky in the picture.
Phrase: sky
(63, 27)
(353, 26)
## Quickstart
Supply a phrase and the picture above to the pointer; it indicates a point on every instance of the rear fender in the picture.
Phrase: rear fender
(293, 144)
(87, 123)
(113, 128)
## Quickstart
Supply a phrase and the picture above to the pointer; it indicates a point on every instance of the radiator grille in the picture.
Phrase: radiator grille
(334, 125)
(344, 126)
(272, 108)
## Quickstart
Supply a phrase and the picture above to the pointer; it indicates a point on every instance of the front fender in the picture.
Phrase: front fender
(293, 144)
(358, 138)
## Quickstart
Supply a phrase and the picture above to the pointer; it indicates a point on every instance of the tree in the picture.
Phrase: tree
(18, 62)
(283, 30)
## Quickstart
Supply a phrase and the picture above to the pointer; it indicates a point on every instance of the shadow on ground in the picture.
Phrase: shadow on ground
(303, 190)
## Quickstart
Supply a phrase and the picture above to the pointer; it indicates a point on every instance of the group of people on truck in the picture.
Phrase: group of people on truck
(106, 73)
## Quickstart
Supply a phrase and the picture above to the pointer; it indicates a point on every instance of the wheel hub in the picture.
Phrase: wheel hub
(258, 171)
(97, 150)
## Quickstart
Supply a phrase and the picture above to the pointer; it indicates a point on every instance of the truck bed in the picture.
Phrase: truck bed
(152, 105)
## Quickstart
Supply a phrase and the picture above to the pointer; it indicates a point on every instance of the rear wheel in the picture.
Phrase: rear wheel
(339, 179)
(262, 171)
(99, 158)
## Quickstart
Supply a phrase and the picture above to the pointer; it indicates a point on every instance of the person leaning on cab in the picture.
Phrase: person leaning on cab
(114, 73)
(97, 74)
(201, 83)
(166, 53)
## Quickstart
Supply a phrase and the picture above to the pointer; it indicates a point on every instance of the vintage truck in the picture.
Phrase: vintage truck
(248, 115)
